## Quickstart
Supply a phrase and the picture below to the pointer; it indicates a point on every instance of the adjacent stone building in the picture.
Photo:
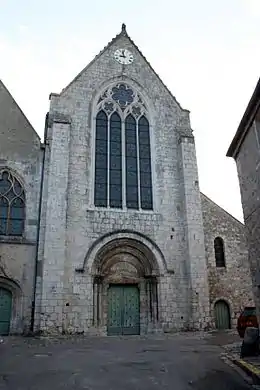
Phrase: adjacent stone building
(245, 149)
(121, 241)
(20, 177)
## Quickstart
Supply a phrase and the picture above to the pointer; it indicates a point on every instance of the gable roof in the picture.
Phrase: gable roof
(245, 123)
(220, 208)
(122, 33)
(2, 85)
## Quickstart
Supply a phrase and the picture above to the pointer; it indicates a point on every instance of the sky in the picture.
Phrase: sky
(206, 52)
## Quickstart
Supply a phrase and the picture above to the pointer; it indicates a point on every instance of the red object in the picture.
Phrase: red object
(246, 319)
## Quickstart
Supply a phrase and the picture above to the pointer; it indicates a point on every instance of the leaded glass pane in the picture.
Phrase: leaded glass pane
(101, 147)
(5, 183)
(131, 150)
(100, 195)
(115, 164)
(3, 208)
(101, 126)
(123, 95)
(115, 192)
(101, 176)
(131, 178)
(17, 188)
(132, 204)
(131, 163)
(12, 205)
(132, 193)
(145, 179)
(17, 209)
(101, 156)
(101, 160)
(15, 227)
(115, 148)
(145, 164)
(116, 177)
(3, 225)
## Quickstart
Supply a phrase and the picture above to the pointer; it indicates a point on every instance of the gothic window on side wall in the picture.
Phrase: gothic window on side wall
(12, 205)
(219, 252)
(123, 175)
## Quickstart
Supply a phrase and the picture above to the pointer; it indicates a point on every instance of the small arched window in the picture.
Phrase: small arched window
(12, 205)
(219, 252)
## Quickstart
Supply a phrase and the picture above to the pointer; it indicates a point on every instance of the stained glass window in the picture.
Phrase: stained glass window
(123, 95)
(123, 141)
(101, 165)
(12, 205)
(131, 163)
(115, 162)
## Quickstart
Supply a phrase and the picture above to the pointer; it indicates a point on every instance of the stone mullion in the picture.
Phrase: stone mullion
(123, 165)
(138, 166)
(108, 161)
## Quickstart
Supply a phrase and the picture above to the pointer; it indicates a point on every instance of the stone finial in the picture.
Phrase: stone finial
(123, 28)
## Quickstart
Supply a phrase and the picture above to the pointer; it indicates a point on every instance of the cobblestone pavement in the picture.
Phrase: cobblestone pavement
(183, 361)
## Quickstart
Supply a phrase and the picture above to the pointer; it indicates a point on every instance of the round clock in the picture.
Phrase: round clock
(123, 56)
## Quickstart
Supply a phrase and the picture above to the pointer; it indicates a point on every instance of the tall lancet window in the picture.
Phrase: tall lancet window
(123, 176)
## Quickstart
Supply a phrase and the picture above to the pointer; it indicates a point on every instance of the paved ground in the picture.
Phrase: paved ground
(186, 361)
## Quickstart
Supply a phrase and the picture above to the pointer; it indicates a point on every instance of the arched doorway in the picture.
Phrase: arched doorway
(222, 315)
(5, 310)
(125, 288)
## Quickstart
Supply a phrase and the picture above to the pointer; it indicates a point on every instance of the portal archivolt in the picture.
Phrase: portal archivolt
(125, 262)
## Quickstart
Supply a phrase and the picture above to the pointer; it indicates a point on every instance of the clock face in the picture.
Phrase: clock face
(123, 56)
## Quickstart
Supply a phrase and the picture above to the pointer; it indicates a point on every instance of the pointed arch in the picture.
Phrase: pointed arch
(12, 204)
(126, 153)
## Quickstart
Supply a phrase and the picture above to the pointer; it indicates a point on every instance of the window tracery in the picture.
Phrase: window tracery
(123, 175)
(12, 205)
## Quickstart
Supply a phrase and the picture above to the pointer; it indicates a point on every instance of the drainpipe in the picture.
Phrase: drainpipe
(38, 226)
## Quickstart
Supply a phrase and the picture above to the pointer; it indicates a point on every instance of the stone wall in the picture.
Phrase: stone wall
(248, 166)
(20, 153)
(231, 283)
(168, 226)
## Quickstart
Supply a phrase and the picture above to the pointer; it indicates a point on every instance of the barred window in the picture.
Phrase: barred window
(12, 205)
(123, 176)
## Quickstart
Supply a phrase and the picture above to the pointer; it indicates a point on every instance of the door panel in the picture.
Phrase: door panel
(5, 311)
(222, 315)
(114, 310)
(123, 310)
(131, 312)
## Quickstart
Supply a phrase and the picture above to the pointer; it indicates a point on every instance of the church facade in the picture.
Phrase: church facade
(104, 229)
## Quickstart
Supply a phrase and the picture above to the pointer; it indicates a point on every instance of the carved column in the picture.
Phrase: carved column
(152, 299)
(97, 286)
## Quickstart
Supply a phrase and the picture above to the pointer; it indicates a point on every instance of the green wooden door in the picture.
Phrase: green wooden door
(5, 310)
(222, 315)
(123, 310)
